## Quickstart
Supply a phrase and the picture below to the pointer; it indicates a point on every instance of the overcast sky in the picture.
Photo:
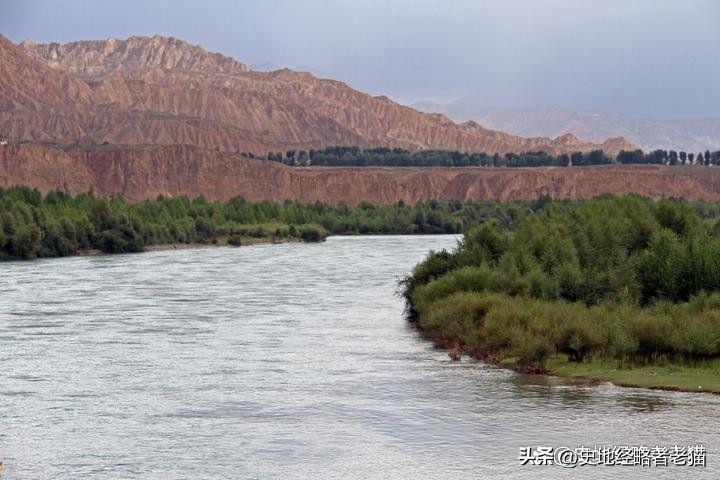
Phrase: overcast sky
(642, 58)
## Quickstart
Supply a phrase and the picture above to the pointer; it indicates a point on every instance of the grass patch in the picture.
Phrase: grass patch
(704, 377)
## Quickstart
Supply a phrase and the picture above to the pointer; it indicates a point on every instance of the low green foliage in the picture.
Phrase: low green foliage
(616, 279)
(57, 224)
(704, 376)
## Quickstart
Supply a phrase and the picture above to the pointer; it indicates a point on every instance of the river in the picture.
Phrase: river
(285, 362)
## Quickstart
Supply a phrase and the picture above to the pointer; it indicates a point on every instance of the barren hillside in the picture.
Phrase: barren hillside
(145, 172)
(163, 91)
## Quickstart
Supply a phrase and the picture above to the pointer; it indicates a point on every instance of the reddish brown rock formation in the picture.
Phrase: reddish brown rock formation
(93, 59)
(158, 95)
(163, 91)
(145, 172)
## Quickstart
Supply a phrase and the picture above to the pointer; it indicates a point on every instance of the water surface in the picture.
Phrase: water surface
(283, 362)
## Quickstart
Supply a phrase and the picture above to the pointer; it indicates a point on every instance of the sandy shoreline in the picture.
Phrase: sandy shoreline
(186, 246)
(91, 252)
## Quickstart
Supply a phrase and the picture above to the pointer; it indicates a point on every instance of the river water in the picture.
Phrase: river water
(284, 362)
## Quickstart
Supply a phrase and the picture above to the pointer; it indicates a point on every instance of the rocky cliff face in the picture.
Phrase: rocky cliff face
(145, 172)
(163, 91)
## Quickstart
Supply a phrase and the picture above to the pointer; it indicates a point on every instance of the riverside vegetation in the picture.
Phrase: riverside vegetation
(615, 288)
(57, 224)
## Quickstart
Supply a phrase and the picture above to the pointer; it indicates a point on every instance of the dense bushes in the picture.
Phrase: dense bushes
(33, 225)
(499, 326)
(621, 278)
(57, 225)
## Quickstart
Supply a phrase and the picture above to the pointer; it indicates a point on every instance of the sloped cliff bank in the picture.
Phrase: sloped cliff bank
(146, 172)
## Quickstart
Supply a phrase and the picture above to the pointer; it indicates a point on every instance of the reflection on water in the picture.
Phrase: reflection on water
(571, 393)
(283, 362)
(642, 403)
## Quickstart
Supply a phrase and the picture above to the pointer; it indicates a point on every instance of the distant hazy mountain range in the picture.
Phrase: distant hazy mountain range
(692, 135)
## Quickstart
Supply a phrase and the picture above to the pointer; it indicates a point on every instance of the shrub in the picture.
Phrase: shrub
(312, 233)
(466, 279)
(622, 278)
(457, 317)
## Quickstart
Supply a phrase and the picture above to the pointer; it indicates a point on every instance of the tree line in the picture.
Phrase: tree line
(614, 277)
(397, 157)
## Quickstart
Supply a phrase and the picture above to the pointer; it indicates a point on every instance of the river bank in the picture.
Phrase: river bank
(617, 289)
(57, 224)
(574, 341)
(91, 252)
(246, 241)
(701, 378)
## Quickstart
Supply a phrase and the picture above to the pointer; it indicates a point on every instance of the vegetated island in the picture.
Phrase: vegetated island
(57, 224)
(618, 289)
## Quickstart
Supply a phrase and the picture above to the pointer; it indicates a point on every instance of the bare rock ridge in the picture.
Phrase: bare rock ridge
(146, 172)
(163, 91)
(103, 57)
